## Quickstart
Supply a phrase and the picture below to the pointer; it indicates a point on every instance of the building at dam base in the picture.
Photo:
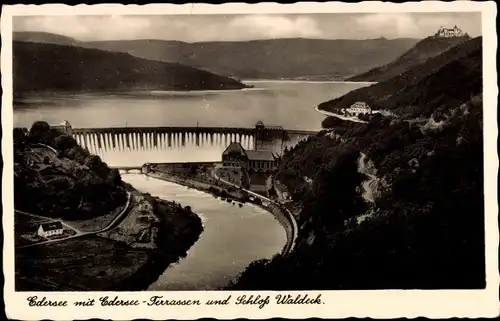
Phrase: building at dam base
(256, 160)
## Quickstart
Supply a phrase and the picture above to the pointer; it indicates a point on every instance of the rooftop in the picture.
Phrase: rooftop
(234, 147)
(260, 155)
(361, 103)
(52, 226)
(257, 155)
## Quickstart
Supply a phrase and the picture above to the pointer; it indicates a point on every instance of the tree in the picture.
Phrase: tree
(64, 141)
(114, 177)
(80, 154)
(38, 130)
(92, 161)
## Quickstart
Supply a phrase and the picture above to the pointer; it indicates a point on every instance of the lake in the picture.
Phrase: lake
(286, 103)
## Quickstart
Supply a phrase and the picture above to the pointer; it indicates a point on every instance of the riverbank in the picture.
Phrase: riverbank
(178, 229)
(215, 189)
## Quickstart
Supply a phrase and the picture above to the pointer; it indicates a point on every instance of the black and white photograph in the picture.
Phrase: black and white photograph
(284, 152)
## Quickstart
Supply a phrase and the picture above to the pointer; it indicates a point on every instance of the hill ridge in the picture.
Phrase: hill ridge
(53, 67)
(425, 49)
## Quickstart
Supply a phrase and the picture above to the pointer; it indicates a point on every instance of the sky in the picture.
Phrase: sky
(223, 27)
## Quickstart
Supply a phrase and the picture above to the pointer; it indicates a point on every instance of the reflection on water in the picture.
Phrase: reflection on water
(233, 237)
(289, 104)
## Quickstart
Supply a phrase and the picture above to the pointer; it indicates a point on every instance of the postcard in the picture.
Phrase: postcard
(301, 160)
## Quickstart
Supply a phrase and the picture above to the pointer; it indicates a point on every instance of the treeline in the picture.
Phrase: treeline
(70, 183)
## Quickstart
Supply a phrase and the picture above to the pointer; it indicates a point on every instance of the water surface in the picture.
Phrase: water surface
(286, 103)
(233, 237)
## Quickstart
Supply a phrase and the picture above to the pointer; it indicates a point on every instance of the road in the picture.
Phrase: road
(327, 113)
(79, 233)
(367, 185)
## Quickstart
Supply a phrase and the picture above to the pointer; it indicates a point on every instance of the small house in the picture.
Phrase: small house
(359, 107)
(50, 229)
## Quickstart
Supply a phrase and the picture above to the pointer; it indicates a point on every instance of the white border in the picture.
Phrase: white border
(380, 304)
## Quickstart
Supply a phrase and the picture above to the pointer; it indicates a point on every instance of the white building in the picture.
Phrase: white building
(449, 32)
(50, 229)
(359, 107)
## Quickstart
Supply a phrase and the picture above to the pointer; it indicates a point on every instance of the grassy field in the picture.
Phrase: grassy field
(85, 263)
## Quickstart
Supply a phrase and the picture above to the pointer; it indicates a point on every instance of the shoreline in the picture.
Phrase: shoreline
(306, 81)
(330, 114)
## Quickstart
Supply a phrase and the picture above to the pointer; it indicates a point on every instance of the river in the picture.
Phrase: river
(233, 236)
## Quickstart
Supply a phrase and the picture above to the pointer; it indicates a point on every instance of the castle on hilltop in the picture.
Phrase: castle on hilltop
(450, 32)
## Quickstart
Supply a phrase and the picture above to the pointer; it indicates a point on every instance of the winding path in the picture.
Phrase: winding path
(367, 184)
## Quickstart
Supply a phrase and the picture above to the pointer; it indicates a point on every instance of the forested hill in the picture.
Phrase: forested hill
(447, 79)
(293, 58)
(50, 67)
(423, 50)
(398, 202)
(55, 177)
